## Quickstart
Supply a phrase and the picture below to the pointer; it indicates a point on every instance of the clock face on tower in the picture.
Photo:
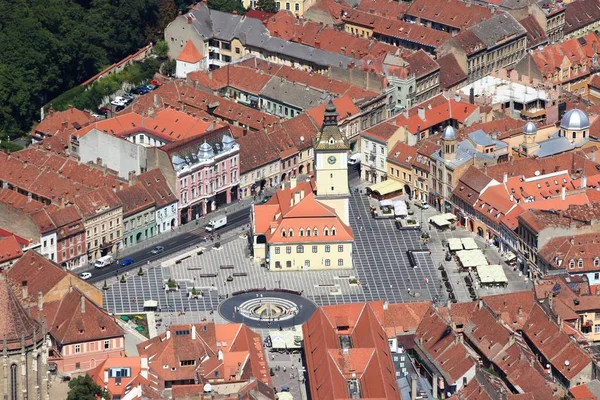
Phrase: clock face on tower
(331, 160)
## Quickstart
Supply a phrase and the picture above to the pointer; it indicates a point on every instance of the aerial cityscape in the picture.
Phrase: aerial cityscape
(300, 200)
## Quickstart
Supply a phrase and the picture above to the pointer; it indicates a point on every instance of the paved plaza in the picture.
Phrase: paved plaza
(381, 266)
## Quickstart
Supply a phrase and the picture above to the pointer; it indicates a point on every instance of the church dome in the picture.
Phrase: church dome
(530, 128)
(227, 142)
(449, 133)
(575, 120)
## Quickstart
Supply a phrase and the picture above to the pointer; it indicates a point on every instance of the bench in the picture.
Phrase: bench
(194, 268)
(226, 267)
(208, 275)
(240, 274)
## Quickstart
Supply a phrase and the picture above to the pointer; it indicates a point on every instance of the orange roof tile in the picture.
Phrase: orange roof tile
(10, 249)
(190, 53)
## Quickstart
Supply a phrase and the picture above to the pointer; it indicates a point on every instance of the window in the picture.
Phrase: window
(327, 248)
(314, 249)
(596, 262)
(287, 6)
(297, 7)
(13, 382)
(288, 264)
(326, 232)
(106, 344)
(288, 249)
(596, 275)
(283, 232)
(300, 249)
(77, 348)
(301, 232)
(291, 233)
(580, 263)
(327, 262)
(277, 250)
(596, 328)
(237, 50)
(277, 264)
(315, 232)
(340, 248)
(332, 231)
(572, 264)
(340, 262)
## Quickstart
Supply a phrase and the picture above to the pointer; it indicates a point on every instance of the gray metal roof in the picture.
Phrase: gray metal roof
(498, 28)
(465, 152)
(287, 92)
(212, 24)
(481, 138)
(556, 145)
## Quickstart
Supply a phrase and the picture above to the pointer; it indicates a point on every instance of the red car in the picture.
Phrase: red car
(156, 82)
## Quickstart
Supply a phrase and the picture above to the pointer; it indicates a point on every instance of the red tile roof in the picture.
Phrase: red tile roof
(134, 199)
(14, 320)
(454, 13)
(381, 132)
(247, 79)
(283, 213)
(421, 64)
(119, 387)
(402, 154)
(535, 33)
(558, 252)
(156, 184)
(451, 73)
(190, 53)
(10, 249)
(256, 149)
(69, 120)
(344, 106)
(368, 360)
(76, 319)
(512, 308)
(230, 352)
(566, 357)
(441, 110)
(96, 202)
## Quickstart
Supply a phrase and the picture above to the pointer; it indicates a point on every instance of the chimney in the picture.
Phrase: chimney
(155, 100)
(505, 179)
(82, 301)
(219, 355)
(144, 366)
(189, 19)
(593, 155)
(583, 181)
(511, 339)
(29, 197)
(168, 334)
(520, 312)
(193, 332)
(40, 304)
(106, 377)
(413, 387)
(132, 178)
(457, 97)
(386, 305)
(563, 193)
(421, 113)
(24, 291)
(301, 194)
(434, 389)
(296, 197)
(480, 304)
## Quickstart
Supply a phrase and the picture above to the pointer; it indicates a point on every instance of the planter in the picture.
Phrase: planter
(105, 286)
(229, 278)
(141, 272)
(353, 282)
(123, 279)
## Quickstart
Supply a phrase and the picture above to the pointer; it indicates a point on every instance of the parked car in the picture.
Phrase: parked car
(157, 250)
(119, 108)
(156, 82)
(128, 96)
(104, 110)
(138, 90)
(85, 275)
(266, 198)
(422, 204)
(126, 261)
(118, 101)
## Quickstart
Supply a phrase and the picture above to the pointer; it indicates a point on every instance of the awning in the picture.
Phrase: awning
(471, 258)
(399, 206)
(490, 274)
(438, 221)
(469, 244)
(386, 187)
(509, 256)
(286, 339)
(454, 244)
(150, 304)
(448, 217)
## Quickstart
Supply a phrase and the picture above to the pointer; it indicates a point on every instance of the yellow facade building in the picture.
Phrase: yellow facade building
(303, 227)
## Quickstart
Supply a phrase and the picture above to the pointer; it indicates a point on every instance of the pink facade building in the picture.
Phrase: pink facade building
(207, 170)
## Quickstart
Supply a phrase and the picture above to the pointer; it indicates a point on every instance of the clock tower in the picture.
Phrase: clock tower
(331, 164)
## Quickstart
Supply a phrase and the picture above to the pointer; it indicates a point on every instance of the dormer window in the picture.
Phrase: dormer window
(326, 232)
(331, 141)
(572, 264)
(315, 232)
(301, 232)
(580, 263)
(283, 233)
(596, 262)
(333, 231)
(291, 233)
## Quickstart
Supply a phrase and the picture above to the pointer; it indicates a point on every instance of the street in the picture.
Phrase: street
(172, 245)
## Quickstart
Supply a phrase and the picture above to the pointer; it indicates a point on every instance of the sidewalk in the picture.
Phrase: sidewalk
(190, 226)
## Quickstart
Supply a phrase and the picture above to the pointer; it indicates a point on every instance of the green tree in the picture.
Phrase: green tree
(168, 67)
(266, 6)
(161, 49)
(167, 11)
(227, 6)
(84, 388)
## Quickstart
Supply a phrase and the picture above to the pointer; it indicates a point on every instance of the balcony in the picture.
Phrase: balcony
(213, 49)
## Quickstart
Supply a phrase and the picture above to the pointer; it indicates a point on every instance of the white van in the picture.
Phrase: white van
(354, 159)
(103, 262)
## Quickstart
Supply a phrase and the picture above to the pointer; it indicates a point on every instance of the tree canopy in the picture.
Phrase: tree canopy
(84, 388)
(267, 6)
(50, 46)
